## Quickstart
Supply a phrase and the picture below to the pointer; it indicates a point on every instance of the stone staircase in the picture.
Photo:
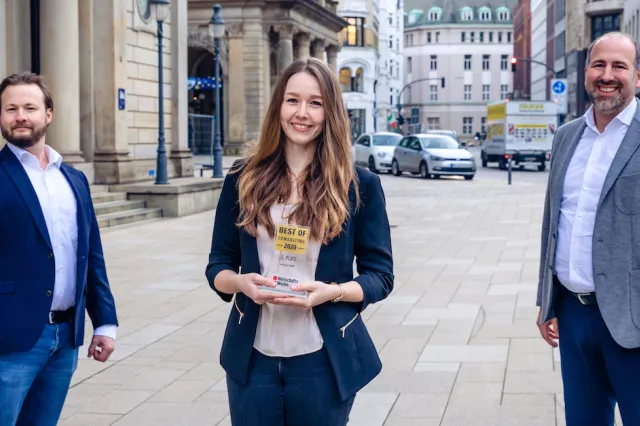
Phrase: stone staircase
(113, 208)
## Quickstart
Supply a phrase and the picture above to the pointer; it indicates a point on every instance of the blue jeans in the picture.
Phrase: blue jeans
(34, 384)
(296, 391)
(596, 371)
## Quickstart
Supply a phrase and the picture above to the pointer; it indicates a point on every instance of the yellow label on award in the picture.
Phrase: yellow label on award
(292, 239)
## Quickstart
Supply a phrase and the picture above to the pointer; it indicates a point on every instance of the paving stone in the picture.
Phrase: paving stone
(424, 405)
(464, 353)
(171, 414)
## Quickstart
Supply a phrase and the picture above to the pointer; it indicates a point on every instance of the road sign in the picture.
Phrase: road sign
(559, 94)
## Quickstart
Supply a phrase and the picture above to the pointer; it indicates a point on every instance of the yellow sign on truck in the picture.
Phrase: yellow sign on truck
(521, 130)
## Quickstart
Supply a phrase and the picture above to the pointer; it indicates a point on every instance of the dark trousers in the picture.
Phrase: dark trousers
(296, 391)
(596, 371)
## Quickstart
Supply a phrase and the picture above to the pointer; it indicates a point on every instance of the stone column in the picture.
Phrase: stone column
(87, 60)
(60, 59)
(3, 46)
(235, 118)
(253, 70)
(304, 44)
(180, 154)
(112, 162)
(17, 36)
(285, 45)
(318, 48)
(332, 56)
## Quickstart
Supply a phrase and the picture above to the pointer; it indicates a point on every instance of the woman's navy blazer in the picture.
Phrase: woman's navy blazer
(366, 236)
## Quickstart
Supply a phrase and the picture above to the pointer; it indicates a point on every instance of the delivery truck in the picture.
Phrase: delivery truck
(522, 130)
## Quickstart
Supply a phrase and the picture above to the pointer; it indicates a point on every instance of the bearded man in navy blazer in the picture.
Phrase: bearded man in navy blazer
(51, 263)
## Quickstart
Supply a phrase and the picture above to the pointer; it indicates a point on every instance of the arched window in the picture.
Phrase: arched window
(503, 13)
(358, 82)
(435, 13)
(484, 13)
(345, 80)
(466, 14)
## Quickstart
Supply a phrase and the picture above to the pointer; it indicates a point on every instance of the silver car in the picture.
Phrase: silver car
(432, 155)
(375, 150)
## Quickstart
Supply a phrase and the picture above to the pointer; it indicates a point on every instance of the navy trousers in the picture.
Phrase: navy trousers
(596, 371)
(296, 391)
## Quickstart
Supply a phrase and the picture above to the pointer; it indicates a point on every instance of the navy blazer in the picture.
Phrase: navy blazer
(366, 237)
(27, 263)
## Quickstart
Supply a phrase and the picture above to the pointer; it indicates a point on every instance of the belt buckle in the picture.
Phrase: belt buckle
(580, 297)
(51, 317)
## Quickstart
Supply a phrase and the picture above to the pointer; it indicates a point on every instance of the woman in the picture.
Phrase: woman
(292, 215)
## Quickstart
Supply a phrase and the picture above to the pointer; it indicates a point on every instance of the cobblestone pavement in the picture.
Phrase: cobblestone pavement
(457, 337)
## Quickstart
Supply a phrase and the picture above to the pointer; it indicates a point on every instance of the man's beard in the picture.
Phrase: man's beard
(609, 105)
(25, 141)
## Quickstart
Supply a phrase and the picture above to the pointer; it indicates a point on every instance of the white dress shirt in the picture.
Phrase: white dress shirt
(59, 208)
(583, 184)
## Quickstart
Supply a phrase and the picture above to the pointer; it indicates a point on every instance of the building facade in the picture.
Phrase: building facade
(540, 75)
(459, 59)
(358, 62)
(91, 53)
(390, 64)
(263, 38)
(631, 16)
(522, 49)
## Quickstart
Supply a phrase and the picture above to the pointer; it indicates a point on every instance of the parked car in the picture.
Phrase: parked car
(451, 133)
(432, 155)
(375, 150)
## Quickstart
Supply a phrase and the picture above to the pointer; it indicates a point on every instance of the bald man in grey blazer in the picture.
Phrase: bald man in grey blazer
(589, 287)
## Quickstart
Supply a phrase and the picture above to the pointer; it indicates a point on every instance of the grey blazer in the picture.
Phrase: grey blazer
(616, 237)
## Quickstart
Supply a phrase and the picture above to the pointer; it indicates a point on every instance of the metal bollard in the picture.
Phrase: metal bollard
(510, 167)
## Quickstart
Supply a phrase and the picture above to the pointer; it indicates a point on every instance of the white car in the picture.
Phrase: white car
(433, 155)
(375, 150)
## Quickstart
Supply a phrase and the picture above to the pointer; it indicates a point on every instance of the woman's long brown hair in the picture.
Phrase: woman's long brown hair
(264, 181)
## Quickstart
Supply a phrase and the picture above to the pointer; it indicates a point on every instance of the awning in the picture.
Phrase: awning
(201, 83)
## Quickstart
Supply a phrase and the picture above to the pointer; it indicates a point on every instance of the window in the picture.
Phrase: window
(353, 34)
(433, 63)
(414, 123)
(467, 125)
(467, 62)
(397, 68)
(483, 125)
(345, 80)
(433, 92)
(559, 44)
(560, 11)
(504, 62)
(490, 36)
(467, 92)
(504, 91)
(508, 36)
(364, 141)
(391, 19)
(500, 37)
(428, 37)
(358, 81)
(391, 69)
(434, 14)
(486, 59)
(463, 35)
(397, 45)
(406, 39)
(391, 99)
(481, 36)
(437, 36)
(410, 39)
(357, 120)
(485, 14)
(603, 24)
(391, 42)
(503, 14)
(466, 14)
(433, 123)
(472, 37)
(486, 92)
(409, 67)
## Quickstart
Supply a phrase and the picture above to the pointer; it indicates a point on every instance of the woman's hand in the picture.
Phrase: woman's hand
(250, 284)
(318, 293)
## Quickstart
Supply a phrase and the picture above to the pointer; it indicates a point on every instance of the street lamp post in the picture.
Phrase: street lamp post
(160, 10)
(216, 29)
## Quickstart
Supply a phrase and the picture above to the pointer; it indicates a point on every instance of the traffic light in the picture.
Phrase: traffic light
(514, 64)
(400, 120)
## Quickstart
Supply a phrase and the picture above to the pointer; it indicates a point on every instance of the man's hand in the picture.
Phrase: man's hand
(318, 293)
(101, 348)
(548, 330)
